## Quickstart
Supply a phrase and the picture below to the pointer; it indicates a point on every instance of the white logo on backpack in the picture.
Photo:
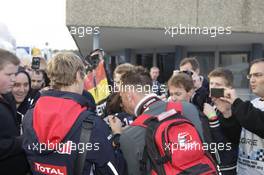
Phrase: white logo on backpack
(184, 138)
(166, 114)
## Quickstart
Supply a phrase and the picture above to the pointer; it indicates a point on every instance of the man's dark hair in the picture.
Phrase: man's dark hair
(23, 70)
(223, 73)
(139, 76)
(255, 61)
(38, 72)
(7, 57)
(192, 60)
(113, 104)
(141, 69)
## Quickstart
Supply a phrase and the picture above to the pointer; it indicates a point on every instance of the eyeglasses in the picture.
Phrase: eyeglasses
(256, 75)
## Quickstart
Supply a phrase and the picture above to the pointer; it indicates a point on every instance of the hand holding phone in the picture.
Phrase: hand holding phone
(35, 63)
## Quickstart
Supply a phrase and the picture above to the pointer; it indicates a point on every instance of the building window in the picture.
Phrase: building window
(144, 60)
(238, 63)
(166, 64)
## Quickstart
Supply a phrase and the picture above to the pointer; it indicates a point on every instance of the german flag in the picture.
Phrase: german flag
(96, 83)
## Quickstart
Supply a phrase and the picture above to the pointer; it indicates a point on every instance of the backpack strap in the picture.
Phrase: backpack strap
(175, 105)
(143, 161)
(86, 131)
(140, 120)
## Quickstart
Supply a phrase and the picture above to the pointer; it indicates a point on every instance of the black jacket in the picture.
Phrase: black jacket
(200, 97)
(227, 156)
(157, 87)
(55, 122)
(12, 158)
(22, 109)
(91, 103)
(245, 115)
(205, 84)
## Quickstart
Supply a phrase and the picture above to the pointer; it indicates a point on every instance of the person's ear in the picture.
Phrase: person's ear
(197, 71)
(79, 76)
(190, 93)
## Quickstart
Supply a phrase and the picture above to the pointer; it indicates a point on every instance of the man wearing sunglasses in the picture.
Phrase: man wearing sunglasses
(191, 65)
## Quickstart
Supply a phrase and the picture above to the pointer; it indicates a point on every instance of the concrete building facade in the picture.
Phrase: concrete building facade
(226, 33)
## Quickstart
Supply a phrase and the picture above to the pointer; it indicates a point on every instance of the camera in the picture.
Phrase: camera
(92, 60)
(217, 92)
(35, 63)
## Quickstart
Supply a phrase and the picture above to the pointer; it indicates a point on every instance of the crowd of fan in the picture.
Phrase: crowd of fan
(49, 105)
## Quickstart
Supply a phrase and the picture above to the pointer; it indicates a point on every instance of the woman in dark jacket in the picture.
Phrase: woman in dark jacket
(21, 91)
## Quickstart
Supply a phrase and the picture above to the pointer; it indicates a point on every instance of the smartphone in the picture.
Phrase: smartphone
(35, 63)
(217, 92)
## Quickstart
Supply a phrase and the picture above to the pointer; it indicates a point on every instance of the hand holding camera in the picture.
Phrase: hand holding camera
(209, 111)
(92, 60)
(35, 65)
(223, 98)
(226, 94)
(230, 95)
